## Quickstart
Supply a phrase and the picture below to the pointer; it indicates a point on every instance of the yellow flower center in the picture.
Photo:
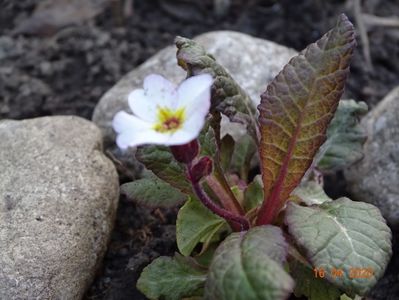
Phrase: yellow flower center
(169, 120)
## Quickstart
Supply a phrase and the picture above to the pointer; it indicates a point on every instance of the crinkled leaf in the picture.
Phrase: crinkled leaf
(253, 195)
(345, 137)
(160, 160)
(171, 279)
(207, 141)
(153, 192)
(249, 265)
(244, 150)
(342, 234)
(196, 224)
(227, 96)
(307, 284)
(296, 109)
(310, 192)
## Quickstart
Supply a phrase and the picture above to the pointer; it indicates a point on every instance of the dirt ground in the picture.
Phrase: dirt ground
(52, 68)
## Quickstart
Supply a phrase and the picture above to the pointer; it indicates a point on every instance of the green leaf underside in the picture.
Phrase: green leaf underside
(310, 192)
(248, 266)
(153, 192)
(297, 107)
(170, 279)
(196, 224)
(343, 235)
(161, 162)
(227, 96)
(307, 284)
(345, 137)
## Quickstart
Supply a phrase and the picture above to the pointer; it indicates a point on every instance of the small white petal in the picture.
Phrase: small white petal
(128, 127)
(142, 106)
(123, 139)
(194, 124)
(126, 122)
(200, 104)
(160, 91)
(134, 138)
(195, 93)
(181, 137)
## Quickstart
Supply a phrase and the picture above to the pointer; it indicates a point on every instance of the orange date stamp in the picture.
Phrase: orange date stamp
(352, 273)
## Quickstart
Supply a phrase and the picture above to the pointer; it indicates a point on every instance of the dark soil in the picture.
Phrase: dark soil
(67, 73)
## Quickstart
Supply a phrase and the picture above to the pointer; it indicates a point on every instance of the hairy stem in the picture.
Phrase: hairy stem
(267, 211)
(238, 222)
(225, 195)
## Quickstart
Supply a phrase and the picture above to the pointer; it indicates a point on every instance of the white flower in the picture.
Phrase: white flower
(163, 113)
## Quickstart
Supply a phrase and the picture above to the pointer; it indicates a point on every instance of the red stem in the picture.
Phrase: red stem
(229, 203)
(225, 214)
(272, 205)
(267, 212)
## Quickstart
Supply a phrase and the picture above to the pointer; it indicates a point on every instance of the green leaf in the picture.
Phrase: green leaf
(170, 279)
(228, 97)
(204, 259)
(310, 192)
(346, 297)
(345, 137)
(244, 150)
(196, 224)
(307, 284)
(296, 110)
(153, 192)
(249, 266)
(226, 151)
(253, 195)
(207, 141)
(343, 235)
(161, 162)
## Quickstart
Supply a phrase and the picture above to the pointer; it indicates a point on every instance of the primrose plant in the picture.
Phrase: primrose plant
(246, 236)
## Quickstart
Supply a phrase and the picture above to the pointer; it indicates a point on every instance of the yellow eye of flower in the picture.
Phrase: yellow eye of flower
(169, 120)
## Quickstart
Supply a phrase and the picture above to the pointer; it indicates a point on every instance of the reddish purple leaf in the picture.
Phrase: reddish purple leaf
(295, 111)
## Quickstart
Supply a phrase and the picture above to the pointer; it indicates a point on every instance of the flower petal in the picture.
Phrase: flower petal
(142, 106)
(194, 124)
(126, 122)
(137, 138)
(181, 137)
(160, 91)
(195, 94)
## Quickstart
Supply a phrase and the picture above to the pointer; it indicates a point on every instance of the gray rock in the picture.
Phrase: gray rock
(375, 179)
(58, 200)
(251, 61)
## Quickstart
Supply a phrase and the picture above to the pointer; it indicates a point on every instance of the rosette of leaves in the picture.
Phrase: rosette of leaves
(295, 228)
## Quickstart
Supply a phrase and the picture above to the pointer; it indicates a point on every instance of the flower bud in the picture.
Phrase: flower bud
(187, 152)
(201, 169)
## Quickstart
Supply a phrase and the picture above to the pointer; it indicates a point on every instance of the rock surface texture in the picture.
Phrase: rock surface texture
(58, 199)
(375, 179)
(251, 61)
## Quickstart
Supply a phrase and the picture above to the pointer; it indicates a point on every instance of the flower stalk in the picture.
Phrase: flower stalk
(238, 222)
(232, 202)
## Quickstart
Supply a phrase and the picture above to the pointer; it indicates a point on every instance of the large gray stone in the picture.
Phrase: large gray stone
(58, 200)
(251, 61)
(375, 179)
